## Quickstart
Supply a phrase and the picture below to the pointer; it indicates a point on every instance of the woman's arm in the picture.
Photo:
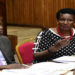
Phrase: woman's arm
(47, 53)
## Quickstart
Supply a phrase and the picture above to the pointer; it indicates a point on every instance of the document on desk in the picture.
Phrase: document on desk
(44, 68)
(65, 59)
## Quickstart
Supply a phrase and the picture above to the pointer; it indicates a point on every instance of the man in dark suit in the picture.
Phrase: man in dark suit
(6, 50)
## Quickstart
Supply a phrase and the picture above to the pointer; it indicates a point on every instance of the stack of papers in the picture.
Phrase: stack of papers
(44, 68)
(65, 59)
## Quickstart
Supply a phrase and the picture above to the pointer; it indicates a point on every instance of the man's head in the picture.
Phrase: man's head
(66, 18)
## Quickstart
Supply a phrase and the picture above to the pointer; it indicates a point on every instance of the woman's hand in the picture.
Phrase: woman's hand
(60, 44)
(46, 53)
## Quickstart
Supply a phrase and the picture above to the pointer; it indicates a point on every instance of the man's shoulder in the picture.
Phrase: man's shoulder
(3, 37)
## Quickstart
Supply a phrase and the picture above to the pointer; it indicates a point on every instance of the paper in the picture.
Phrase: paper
(44, 68)
(65, 59)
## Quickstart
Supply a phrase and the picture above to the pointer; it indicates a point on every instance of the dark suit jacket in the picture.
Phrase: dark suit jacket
(6, 48)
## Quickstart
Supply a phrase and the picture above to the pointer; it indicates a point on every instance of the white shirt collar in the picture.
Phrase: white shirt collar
(58, 34)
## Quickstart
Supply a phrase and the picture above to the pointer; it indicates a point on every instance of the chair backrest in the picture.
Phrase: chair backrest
(25, 52)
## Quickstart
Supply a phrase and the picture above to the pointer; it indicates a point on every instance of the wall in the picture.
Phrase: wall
(35, 12)
(3, 26)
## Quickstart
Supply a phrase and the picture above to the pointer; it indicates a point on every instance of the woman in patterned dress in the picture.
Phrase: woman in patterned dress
(59, 41)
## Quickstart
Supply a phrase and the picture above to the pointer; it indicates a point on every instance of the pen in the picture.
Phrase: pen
(68, 71)
(73, 70)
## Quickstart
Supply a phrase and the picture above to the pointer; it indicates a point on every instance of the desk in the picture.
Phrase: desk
(44, 68)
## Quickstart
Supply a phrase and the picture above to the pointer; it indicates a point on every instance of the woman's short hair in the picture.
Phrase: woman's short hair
(64, 11)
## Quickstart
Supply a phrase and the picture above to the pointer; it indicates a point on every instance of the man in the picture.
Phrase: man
(6, 52)
(7, 60)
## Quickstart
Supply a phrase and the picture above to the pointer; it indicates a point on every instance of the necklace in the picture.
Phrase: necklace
(71, 33)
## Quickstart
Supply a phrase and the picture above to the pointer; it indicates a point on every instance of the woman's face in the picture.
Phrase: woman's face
(66, 21)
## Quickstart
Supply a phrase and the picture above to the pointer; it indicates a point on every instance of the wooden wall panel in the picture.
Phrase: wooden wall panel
(38, 12)
(9, 11)
(35, 12)
(23, 11)
(3, 29)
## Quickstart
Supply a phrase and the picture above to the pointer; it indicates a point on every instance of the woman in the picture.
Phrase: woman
(59, 41)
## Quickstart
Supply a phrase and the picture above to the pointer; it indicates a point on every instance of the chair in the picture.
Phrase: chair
(25, 52)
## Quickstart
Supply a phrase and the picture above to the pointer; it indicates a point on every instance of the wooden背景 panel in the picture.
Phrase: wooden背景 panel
(35, 12)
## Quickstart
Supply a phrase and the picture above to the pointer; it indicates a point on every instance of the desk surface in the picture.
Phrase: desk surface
(44, 68)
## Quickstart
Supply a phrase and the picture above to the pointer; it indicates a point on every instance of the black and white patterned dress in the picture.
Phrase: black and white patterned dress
(48, 38)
